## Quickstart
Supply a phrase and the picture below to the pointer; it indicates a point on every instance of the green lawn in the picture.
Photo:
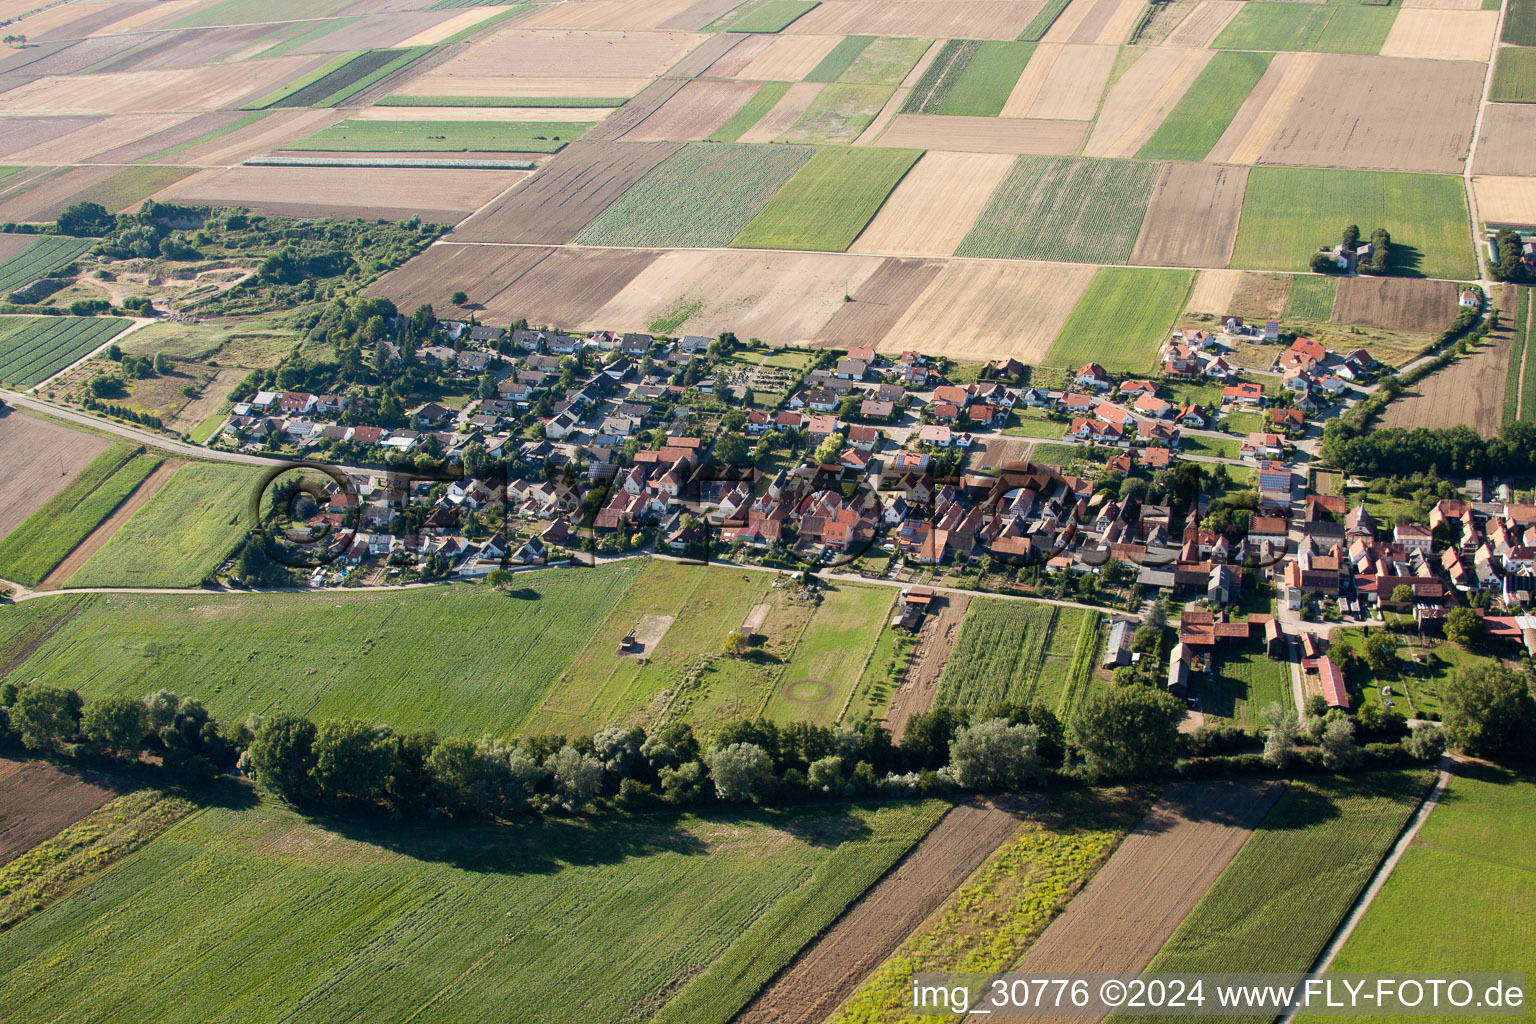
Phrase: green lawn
(829, 201)
(761, 102)
(457, 659)
(1288, 212)
(877, 684)
(817, 683)
(1120, 319)
(1280, 899)
(1200, 118)
(768, 16)
(703, 195)
(1217, 447)
(538, 920)
(1463, 898)
(29, 552)
(442, 137)
(191, 525)
(1245, 422)
(1514, 75)
(1071, 209)
(1242, 683)
(1311, 297)
(1034, 423)
(839, 114)
(839, 59)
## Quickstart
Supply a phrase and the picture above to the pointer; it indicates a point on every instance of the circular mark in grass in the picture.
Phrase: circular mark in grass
(808, 691)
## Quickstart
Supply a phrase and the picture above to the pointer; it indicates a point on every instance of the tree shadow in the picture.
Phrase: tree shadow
(823, 827)
(1407, 260)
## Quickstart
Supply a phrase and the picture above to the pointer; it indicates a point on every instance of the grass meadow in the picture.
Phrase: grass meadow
(702, 195)
(447, 920)
(839, 114)
(456, 659)
(1323, 28)
(1200, 118)
(769, 16)
(1121, 318)
(442, 137)
(1463, 898)
(1282, 896)
(29, 552)
(829, 200)
(1243, 681)
(817, 682)
(1289, 212)
(191, 525)
(1067, 209)
(883, 61)
(839, 59)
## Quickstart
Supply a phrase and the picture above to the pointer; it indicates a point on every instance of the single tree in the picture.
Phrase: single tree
(1127, 732)
(1340, 751)
(741, 771)
(46, 717)
(1463, 626)
(996, 756)
(282, 755)
(116, 725)
(1488, 712)
(1280, 737)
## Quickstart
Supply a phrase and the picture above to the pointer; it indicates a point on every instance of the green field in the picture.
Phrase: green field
(191, 525)
(1011, 652)
(34, 348)
(829, 201)
(46, 254)
(703, 195)
(761, 102)
(1034, 423)
(1042, 22)
(1337, 28)
(1121, 318)
(1200, 118)
(839, 114)
(260, 12)
(817, 682)
(885, 61)
(1311, 297)
(502, 101)
(839, 59)
(1520, 391)
(339, 79)
(1463, 897)
(970, 77)
(1217, 447)
(29, 552)
(457, 659)
(936, 81)
(1514, 75)
(442, 137)
(1242, 683)
(1283, 895)
(1068, 209)
(768, 16)
(1289, 212)
(1520, 23)
(447, 920)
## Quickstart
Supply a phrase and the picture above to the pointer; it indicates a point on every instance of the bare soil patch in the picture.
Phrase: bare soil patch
(1261, 296)
(1504, 144)
(37, 800)
(935, 643)
(480, 271)
(568, 191)
(935, 205)
(828, 970)
(37, 458)
(878, 303)
(737, 58)
(137, 499)
(631, 15)
(977, 310)
(1192, 220)
(1442, 35)
(1153, 879)
(570, 285)
(984, 134)
(1397, 114)
(648, 634)
(1072, 85)
(435, 194)
(1469, 392)
(1139, 101)
(1396, 304)
(22, 133)
(756, 616)
(694, 112)
(932, 19)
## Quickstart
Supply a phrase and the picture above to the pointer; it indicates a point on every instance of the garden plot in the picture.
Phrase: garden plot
(1192, 220)
(878, 303)
(930, 19)
(935, 205)
(1505, 199)
(1136, 104)
(438, 195)
(215, 87)
(985, 134)
(977, 310)
(1504, 141)
(1398, 114)
(782, 298)
(1062, 80)
(1396, 304)
(694, 112)
(1442, 35)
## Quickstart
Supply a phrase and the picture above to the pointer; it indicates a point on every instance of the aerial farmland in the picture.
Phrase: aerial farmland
(714, 511)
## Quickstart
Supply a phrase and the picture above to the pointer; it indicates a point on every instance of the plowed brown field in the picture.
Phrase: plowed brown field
(37, 800)
(935, 643)
(1469, 392)
(480, 271)
(694, 112)
(37, 459)
(1192, 220)
(567, 287)
(878, 303)
(1396, 304)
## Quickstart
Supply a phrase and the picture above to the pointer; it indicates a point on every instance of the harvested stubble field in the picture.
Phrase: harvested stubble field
(1442, 35)
(878, 303)
(780, 297)
(438, 195)
(29, 257)
(829, 201)
(702, 196)
(1400, 114)
(107, 140)
(441, 136)
(930, 19)
(985, 134)
(480, 271)
(1121, 318)
(214, 87)
(935, 205)
(34, 348)
(1503, 143)
(1143, 97)
(1062, 80)
(1506, 199)
(567, 288)
(1282, 896)
(1259, 117)
(23, 133)
(627, 15)
(38, 800)
(768, 58)
(38, 459)
(566, 193)
(978, 310)
(1425, 307)
(1074, 210)
(694, 112)
(1288, 213)
(737, 893)
(1197, 123)
(550, 54)
(1193, 216)
(1203, 24)
(1468, 392)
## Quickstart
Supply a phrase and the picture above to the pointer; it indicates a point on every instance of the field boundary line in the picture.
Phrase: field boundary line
(1383, 872)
